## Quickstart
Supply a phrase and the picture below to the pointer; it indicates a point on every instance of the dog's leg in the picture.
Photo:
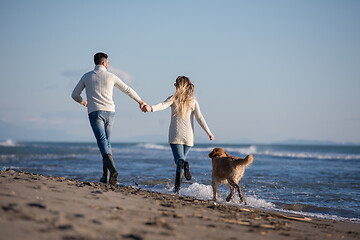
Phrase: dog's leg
(231, 194)
(237, 187)
(214, 186)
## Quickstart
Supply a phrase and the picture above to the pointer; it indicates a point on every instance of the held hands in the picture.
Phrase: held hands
(141, 105)
(147, 108)
(144, 107)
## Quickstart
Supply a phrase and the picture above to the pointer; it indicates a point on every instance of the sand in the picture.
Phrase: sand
(43, 207)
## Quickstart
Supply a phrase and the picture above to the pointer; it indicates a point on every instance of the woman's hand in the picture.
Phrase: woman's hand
(212, 137)
(147, 108)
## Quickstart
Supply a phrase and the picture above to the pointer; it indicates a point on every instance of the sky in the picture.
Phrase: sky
(264, 71)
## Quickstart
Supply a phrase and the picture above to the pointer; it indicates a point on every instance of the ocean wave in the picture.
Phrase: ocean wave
(5, 168)
(243, 150)
(154, 146)
(253, 149)
(316, 211)
(286, 154)
(49, 156)
(5, 157)
(9, 143)
(205, 192)
(321, 215)
(303, 207)
(307, 155)
(197, 190)
(283, 154)
(198, 149)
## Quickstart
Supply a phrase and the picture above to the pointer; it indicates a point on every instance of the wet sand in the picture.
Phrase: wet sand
(42, 207)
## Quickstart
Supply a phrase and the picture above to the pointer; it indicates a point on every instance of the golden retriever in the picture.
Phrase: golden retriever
(228, 169)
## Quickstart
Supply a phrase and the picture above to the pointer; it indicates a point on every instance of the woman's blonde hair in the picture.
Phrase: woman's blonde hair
(183, 96)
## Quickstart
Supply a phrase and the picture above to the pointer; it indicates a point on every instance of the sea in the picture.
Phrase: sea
(314, 181)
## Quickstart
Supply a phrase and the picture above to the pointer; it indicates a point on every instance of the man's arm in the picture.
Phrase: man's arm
(76, 94)
(128, 91)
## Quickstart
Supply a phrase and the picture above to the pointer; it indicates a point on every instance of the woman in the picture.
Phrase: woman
(181, 132)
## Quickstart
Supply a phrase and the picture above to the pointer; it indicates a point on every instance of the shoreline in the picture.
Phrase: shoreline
(34, 206)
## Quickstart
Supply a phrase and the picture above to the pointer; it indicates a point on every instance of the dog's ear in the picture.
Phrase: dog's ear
(211, 154)
(227, 154)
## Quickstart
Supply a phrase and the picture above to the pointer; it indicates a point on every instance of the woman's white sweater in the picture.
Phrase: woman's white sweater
(181, 130)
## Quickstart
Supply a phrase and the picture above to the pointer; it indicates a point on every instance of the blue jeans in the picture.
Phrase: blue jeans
(101, 123)
(180, 152)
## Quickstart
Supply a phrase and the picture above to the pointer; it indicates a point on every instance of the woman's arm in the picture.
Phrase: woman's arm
(201, 120)
(161, 106)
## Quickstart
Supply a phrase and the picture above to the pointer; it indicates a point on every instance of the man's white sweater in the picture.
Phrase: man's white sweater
(99, 85)
(181, 130)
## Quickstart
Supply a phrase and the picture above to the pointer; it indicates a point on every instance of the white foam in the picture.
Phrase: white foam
(254, 150)
(205, 192)
(308, 155)
(4, 157)
(243, 150)
(253, 201)
(207, 150)
(154, 146)
(284, 154)
(9, 143)
(198, 191)
(10, 167)
(322, 215)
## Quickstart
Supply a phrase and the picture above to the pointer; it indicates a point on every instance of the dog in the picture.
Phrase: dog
(228, 169)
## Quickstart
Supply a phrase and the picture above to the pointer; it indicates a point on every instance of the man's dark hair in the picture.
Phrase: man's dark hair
(99, 58)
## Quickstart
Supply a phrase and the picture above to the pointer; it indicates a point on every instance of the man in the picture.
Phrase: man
(99, 85)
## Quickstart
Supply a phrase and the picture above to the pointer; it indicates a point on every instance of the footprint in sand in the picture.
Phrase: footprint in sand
(65, 227)
(97, 222)
(38, 205)
(133, 236)
(10, 207)
(159, 222)
(97, 192)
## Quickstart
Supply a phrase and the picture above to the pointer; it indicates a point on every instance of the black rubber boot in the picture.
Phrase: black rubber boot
(109, 162)
(187, 171)
(105, 176)
(178, 179)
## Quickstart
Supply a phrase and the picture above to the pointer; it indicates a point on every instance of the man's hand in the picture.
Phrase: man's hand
(84, 103)
(212, 137)
(141, 105)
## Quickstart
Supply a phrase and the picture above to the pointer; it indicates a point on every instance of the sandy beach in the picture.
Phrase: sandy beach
(43, 207)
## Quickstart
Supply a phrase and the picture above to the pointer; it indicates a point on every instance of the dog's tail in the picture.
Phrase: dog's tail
(245, 161)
